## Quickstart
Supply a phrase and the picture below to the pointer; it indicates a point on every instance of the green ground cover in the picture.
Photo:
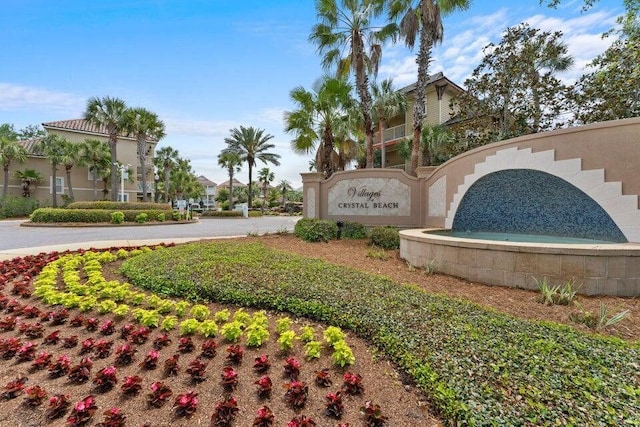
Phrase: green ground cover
(479, 367)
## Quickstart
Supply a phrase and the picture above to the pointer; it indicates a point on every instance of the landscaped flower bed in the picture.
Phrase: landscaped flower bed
(478, 366)
(103, 353)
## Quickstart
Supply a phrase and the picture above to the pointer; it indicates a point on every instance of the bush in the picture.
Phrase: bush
(221, 214)
(117, 217)
(385, 237)
(353, 230)
(254, 214)
(51, 215)
(120, 206)
(12, 206)
(142, 218)
(175, 215)
(316, 230)
(161, 217)
(460, 354)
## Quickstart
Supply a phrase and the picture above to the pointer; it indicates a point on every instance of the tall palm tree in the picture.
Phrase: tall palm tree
(165, 160)
(265, 176)
(10, 151)
(320, 116)
(96, 154)
(252, 144)
(284, 186)
(422, 19)
(28, 177)
(348, 39)
(71, 156)
(144, 126)
(53, 148)
(387, 103)
(231, 161)
(110, 113)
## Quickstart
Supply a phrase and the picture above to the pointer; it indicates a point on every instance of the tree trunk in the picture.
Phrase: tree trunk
(167, 172)
(383, 159)
(230, 188)
(68, 171)
(250, 183)
(535, 96)
(142, 153)
(5, 185)
(327, 151)
(113, 143)
(362, 87)
(54, 192)
(419, 106)
(95, 182)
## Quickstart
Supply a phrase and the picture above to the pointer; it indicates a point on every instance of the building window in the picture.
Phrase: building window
(90, 174)
(126, 197)
(59, 185)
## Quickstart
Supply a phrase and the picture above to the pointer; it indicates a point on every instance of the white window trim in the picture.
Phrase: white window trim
(59, 179)
(89, 174)
(126, 197)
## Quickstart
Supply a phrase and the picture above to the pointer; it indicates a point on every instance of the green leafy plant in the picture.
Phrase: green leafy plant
(200, 312)
(189, 327)
(307, 334)
(232, 331)
(181, 308)
(282, 325)
(166, 306)
(257, 335)
(342, 354)
(315, 230)
(598, 321)
(286, 340)
(242, 316)
(148, 318)
(260, 318)
(333, 335)
(385, 237)
(376, 252)
(209, 328)
(169, 323)
(121, 310)
(222, 316)
(551, 295)
(106, 306)
(141, 218)
(312, 350)
(117, 217)
(161, 217)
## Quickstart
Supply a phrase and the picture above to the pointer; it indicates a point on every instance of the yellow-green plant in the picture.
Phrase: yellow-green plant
(154, 301)
(189, 327)
(282, 325)
(200, 312)
(220, 316)
(106, 306)
(286, 340)
(260, 318)
(87, 303)
(137, 298)
(332, 335)
(232, 331)
(165, 306)
(242, 316)
(169, 323)
(209, 328)
(312, 350)
(257, 335)
(121, 310)
(307, 334)
(181, 308)
(342, 354)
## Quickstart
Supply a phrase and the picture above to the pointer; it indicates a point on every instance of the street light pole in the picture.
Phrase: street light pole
(122, 169)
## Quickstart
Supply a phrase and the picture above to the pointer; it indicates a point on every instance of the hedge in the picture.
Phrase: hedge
(479, 367)
(15, 206)
(120, 206)
(221, 214)
(55, 215)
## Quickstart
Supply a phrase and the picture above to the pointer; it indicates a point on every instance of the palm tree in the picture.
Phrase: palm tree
(265, 176)
(230, 160)
(144, 125)
(387, 103)
(348, 39)
(165, 160)
(10, 151)
(53, 148)
(284, 186)
(110, 113)
(435, 139)
(252, 144)
(96, 154)
(71, 156)
(320, 116)
(28, 177)
(423, 19)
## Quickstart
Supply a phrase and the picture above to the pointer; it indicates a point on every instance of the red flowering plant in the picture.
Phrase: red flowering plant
(132, 384)
(186, 403)
(77, 321)
(297, 392)
(31, 312)
(105, 379)
(171, 365)
(125, 353)
(9, 347)
(334, 407)
(322, 378)
(102, 348)
(34, 395)
(264, 386)
(113, 417)
(60, 367)
(8, 323)
(352, 383)
(235, 354)
(264, 417)
(58, 405)
(224, 412)
(108, 327)
(53, 338)
(185, 345)
(86, 346)
(261, 364)
(151, 360)
(59, 317)
(82, 371)
(229, 378)
(160, 393)
(27, 352)
(208, 348)
(197, 369)
(91, 324)
(42, 361)
(126, 331)
(161, 341)
(32, 330)
(13, 388)
(301, 421)
(70, 342)
(82, 411)
(373, 416)
(13, 306)
(292, 368)
(140, 335)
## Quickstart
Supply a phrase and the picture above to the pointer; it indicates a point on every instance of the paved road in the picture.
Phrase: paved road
(14, 237)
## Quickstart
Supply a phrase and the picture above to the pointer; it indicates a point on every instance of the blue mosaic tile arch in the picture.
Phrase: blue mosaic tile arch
(533, 202)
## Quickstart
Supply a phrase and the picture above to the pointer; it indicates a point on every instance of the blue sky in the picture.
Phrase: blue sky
(206, 66)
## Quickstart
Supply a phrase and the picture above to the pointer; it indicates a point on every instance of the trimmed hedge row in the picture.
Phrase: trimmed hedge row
(221, 214)
(53, 215)
(120, 206)
(479, 367)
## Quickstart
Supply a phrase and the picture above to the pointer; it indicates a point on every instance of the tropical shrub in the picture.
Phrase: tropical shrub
(315, 230)
(117, 217)
(200, 312)
(141, 218)
(353, 230)
(189, 327)
(15, 207)
(385, 237)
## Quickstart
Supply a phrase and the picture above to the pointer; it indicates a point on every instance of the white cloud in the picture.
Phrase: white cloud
(200, 128)
(19, 97)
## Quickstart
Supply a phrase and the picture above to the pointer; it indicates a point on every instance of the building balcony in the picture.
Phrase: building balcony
(390, 134)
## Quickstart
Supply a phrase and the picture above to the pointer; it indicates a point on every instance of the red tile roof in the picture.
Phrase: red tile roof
(32, 146)
(82, 125)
